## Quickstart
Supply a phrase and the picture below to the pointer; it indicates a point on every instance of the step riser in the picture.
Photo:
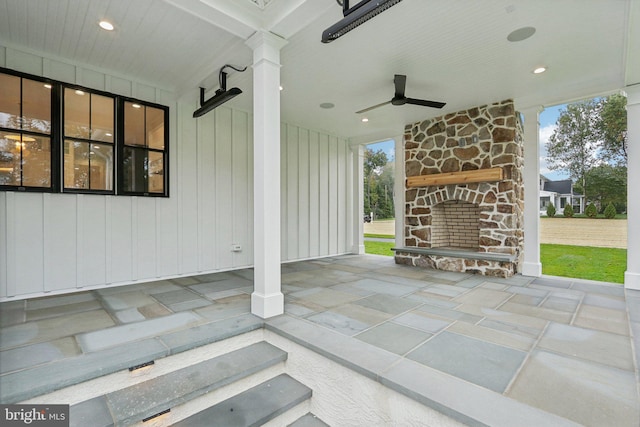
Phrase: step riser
(291, 415)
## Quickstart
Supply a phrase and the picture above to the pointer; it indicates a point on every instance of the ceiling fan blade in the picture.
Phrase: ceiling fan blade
(400, 81)
(374, 107)
(426, 103)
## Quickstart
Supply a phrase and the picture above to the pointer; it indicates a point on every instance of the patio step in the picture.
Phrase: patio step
(254, 407)
(176, 389)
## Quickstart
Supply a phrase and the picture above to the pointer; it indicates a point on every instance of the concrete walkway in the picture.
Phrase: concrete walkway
(547, 351)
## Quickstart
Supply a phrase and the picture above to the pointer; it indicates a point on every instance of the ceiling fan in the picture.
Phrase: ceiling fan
(400, 82)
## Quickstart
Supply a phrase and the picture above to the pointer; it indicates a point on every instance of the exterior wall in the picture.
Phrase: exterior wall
(56, 243)
(433, 147)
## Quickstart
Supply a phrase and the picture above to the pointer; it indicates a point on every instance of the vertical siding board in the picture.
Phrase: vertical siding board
(292, 192)
(240, 149)
(333, 195)
(61, 257)
(314, 195)
(146, 246)
(284, 217)
(303, 194)
(93, 241)
(341, 195)
(188, 190)
(206, 158)
(121, 268)
(29, 243)
(249, 195)
(324, 194)
(223, 186)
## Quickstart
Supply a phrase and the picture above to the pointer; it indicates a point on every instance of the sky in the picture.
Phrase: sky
(548, 118)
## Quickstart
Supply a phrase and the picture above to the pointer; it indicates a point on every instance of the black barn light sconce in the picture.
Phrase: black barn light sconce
(355, 16)
(221, 96)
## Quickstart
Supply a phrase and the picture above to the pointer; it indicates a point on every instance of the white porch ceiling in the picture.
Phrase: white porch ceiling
(454, 51)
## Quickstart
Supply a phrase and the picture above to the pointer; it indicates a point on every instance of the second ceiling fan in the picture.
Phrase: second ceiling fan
(400, 82)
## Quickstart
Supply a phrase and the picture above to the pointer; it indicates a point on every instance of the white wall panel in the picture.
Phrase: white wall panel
(3, 56)
(62, 242)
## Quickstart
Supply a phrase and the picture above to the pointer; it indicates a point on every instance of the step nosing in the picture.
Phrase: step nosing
(139, 401)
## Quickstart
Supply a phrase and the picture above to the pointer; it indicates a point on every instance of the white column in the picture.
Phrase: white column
(399, 190)
(632, 275)
(357, 152)
(531, 265)
(267, 299)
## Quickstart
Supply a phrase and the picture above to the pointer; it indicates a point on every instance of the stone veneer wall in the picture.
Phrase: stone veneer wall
(432, 147)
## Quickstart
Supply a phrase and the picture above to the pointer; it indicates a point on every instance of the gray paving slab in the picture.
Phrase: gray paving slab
(504, 316)
(484, 297)
(37, 354)
(339, 322)
(129, 315)
(361, 357)
(255, 406)
(553, 282)
(93, 412)
(51, 329)
(125, 300)
(234, 282)
(431, 299)
(154, 310)
(176, 297)
(633, 305)
(145, 399)
(446, 290)
(393, 337)
(446, 313)
(485, 364)
(598, 288)
(505, 338)
(387, 303)
(527, 300)
(382, 287)
(347, 288)
(366, 315)
(604, 319)
(308, 420)
(596, 346)
(568, 305)
(511, 328)
(443, 393)
(196, 336)
(190, 305)
(185, 281)
(117, 335)
(12, 313)
(28, 383)
(528, 291)
(422, 321)
(325, 297)
(538, 312)
(54, 311)
(605, 301)
(59, 300)
(158, 287)
(587, 393)
(226, 308)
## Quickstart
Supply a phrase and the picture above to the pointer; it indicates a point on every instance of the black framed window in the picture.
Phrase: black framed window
(88, 135)
(27, 133)
(144, 136)
(59, 137)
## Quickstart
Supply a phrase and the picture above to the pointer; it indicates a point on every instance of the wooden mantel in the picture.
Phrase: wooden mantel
(465, 177)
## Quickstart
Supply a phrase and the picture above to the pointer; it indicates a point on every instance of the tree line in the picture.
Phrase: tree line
(378, 184)
(590, 142)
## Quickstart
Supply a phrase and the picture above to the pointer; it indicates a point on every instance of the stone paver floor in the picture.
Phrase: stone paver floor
(563, 346)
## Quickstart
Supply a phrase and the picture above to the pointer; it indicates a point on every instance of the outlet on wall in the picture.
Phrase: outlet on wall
(236, 247)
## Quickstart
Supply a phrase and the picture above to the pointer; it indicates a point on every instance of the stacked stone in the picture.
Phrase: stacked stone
(479, 138)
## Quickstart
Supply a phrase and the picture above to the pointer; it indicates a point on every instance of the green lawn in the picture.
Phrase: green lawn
(380, 236)
(580, 262)
(584, 262)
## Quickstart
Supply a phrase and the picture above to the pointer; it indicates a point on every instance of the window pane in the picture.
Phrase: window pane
(9, 159)
(76, 113)
(9, 101)
(76, 164)
(134, 166)
(36, 106)
(36, 161)
(156, 172)
(155, 128)
(101, 167)
(101, 118)
(133, 124)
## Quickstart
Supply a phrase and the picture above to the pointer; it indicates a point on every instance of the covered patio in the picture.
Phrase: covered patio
(481, 351)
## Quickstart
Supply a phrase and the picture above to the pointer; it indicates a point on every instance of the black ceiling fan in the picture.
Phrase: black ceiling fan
(400, 82)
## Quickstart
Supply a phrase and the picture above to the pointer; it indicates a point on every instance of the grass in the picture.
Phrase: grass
(584, 262)
(380, 236)
(579, 262)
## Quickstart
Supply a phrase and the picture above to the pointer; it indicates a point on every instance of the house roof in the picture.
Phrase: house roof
(561, 187)
(455, 51)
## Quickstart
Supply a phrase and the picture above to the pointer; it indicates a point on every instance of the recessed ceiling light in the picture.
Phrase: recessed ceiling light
(48, 86)
(327, 105)
(521, 34)
(106, 25)
(365, 120)
(539, 70)
(136, 105)
(79, 92)
(281, 88)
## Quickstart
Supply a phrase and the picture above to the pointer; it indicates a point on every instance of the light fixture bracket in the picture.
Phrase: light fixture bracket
(221, 96)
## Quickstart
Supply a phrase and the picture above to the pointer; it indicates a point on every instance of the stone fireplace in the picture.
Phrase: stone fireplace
(464, 192)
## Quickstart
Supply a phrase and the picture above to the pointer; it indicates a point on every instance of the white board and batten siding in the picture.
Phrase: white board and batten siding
(56, 243)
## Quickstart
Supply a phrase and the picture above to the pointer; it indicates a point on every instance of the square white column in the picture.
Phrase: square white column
(632, 275)
(267, 299)
(531, 265)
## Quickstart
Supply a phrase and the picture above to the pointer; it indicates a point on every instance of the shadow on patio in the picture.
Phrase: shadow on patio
(478, 349)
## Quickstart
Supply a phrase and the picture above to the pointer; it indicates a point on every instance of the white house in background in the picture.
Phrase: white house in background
(559, 194)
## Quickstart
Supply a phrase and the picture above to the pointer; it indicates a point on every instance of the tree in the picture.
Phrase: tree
(574, 144)
(551, 211)
(607, 184)
(612, 129)
(568, 211)
(610, 211)
(591, 211)
(378, 184)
